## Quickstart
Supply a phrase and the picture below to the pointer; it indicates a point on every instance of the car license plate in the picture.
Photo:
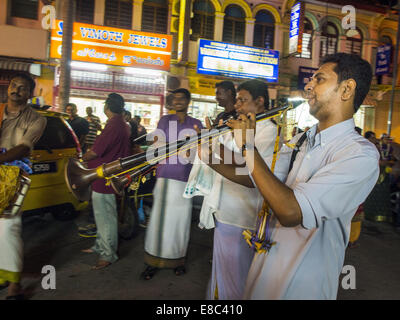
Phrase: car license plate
(44, 167)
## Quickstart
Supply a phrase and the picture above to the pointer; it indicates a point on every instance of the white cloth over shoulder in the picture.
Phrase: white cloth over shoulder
(228, 201)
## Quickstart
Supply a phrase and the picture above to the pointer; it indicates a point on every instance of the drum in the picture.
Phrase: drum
(14, 201)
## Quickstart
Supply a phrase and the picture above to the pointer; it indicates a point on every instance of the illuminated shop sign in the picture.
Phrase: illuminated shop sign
(383, 60)
(296, 28)
(114, 46)
(231, 60)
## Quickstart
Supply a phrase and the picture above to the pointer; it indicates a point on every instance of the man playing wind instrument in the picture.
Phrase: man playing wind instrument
(311, 200)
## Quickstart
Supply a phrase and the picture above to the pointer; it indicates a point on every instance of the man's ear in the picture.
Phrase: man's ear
(349, 89)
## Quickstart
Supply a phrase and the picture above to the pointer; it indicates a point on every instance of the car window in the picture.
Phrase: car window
(55, 136)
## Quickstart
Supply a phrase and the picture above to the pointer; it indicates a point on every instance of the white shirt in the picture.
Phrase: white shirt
(238, 205)
(333, 174)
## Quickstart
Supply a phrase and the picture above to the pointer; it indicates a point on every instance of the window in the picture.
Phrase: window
(84, 11)
(203, 20)
(118, 13)
(55, 136)
(353, 41)
(27, 9)
(234, 25)
(264, 29)
(329, 39)
(306, 46)
(155, 16)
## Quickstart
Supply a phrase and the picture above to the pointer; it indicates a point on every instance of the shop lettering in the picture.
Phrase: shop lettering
(214, 52)
(148, 60)
(92, 53)
(99, 34)
(147, 41)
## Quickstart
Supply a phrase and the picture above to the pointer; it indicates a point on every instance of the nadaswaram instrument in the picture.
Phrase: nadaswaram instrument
(120, 173)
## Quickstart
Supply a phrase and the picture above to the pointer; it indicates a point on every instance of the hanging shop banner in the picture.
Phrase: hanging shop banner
(383, 60)
(305, 74)
(296, 28)
(120, 47)
(231, 60)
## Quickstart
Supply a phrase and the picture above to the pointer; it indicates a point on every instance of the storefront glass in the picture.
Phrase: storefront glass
(204, 106)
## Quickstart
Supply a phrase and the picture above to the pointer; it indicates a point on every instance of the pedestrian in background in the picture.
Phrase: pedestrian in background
(94, 127)
(78, 124)
(113, 143)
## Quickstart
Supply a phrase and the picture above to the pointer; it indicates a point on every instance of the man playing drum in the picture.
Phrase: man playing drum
(20, 128)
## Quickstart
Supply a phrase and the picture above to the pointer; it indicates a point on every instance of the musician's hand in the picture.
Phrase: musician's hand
(241, 126)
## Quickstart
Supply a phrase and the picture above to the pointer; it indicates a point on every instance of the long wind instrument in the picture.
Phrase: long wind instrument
(121, 172)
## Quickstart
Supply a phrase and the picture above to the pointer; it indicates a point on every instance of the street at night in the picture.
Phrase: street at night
(199, 151)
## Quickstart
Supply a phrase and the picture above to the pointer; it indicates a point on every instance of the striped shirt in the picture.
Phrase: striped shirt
(94, 121)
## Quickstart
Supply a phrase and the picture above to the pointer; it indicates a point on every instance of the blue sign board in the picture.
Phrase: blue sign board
(383, 60)
(305, 74)
(237, 61)
(296, 28)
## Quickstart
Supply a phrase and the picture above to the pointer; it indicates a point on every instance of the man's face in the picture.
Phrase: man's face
(322, 91)
(222, 96)
(89, 111)
(71, 111)
(180, 102)
(245, 103)
(19, 90)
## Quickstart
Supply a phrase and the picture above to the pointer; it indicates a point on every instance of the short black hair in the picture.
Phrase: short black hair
(126, 112)
(256, 88)
(369, 134)
(352, 66)
(115, 103)
(27, 77)
(186, 92)
(138, 118)
(227, 85)
(73, 105)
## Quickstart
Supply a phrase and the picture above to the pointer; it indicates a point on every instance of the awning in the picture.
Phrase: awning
(32, 68)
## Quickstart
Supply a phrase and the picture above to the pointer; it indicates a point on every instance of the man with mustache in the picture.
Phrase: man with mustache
(225, 94)
(315, 189)
(20, 128)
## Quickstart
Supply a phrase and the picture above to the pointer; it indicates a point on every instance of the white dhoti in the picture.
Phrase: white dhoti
(168, 233)
(231, 263)
(11, 249)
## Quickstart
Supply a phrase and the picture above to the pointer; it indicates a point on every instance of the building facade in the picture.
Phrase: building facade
(254, 23)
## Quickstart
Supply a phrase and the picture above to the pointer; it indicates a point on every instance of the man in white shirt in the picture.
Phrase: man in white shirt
(314, 202)
(235, 207)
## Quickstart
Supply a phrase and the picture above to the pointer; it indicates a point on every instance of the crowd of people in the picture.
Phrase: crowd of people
(281, 213)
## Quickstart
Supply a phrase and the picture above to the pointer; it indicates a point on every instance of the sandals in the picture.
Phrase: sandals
(149, 273)
(180, 270)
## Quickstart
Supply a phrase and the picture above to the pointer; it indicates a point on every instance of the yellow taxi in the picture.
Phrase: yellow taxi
(48, 191)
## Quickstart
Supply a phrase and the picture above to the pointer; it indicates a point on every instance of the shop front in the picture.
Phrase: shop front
(219, 61)
(105, 60)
